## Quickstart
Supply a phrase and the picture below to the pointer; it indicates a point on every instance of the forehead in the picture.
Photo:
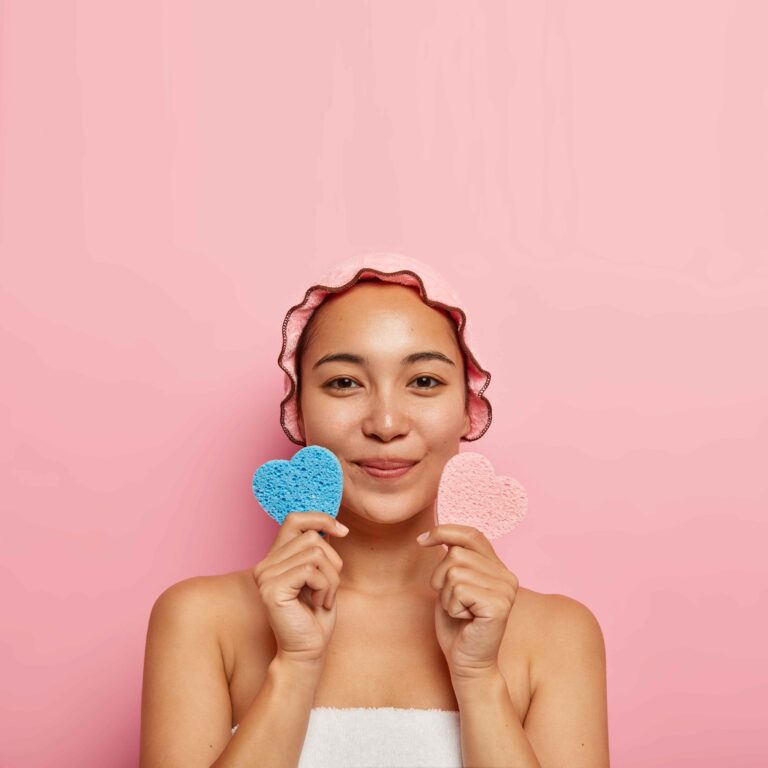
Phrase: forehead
(380, 305)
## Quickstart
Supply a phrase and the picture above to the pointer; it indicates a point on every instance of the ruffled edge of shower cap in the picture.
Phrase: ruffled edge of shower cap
(392, 268)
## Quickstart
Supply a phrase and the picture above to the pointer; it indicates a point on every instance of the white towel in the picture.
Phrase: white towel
(381, 737)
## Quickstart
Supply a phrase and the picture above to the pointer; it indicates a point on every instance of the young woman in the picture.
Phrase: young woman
(365, 647)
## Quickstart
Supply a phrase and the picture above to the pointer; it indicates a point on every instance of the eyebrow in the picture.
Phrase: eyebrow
(415, 357)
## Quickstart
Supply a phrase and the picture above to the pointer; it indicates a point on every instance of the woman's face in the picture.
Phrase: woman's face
(383, 406)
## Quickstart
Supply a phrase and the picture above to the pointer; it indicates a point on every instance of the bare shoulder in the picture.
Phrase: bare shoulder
(186, 707)
(225, 607)
(567, 721)
(560, 630)
(549, 604)
(214, 595)
(207, 600)
(556, 611)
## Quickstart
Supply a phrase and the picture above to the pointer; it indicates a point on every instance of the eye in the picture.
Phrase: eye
(333, 381)
(330, 384)
(421, 378)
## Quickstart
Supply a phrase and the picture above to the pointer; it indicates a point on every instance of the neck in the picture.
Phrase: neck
(385, 558)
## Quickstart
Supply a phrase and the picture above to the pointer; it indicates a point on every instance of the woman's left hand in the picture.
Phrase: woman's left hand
(476, 594)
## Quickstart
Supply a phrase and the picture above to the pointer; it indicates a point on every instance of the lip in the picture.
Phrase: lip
(396, 463)
(387, 469)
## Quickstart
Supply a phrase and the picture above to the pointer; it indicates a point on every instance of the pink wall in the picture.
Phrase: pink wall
(594, 181)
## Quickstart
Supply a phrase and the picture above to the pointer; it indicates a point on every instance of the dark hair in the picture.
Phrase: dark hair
(309, 331)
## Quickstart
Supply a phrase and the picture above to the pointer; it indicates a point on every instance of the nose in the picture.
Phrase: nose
(386, 417)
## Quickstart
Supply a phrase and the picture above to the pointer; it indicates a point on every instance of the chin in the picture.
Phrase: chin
(384, 508)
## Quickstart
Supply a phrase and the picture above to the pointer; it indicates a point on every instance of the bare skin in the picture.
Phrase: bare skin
(383, 651)
(385, 625)
(376, 645)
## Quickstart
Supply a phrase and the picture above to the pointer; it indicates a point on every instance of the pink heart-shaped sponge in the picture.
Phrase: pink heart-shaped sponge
(471, 493)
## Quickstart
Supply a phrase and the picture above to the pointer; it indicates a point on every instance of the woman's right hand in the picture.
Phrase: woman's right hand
(298, 580)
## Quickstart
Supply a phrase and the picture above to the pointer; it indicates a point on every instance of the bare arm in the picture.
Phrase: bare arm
(273, 730)
(186, 709)
(491, 732)
(567, 722)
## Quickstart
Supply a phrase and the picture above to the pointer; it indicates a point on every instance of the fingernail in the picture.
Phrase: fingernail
(422, 537)
(341, 527)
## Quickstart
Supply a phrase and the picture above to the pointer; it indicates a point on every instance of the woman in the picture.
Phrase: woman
(332, 648)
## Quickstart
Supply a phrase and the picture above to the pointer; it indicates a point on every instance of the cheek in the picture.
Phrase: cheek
(443, 418)
(439, 419)
(328, 417)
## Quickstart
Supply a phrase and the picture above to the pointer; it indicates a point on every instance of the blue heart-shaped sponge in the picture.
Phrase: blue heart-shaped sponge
(312, 481)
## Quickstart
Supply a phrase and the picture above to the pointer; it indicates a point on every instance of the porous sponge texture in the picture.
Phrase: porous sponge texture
(471, 493)
(311, 481)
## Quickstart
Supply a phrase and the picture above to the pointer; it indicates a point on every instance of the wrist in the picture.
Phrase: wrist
(475, 683)
(296, 667)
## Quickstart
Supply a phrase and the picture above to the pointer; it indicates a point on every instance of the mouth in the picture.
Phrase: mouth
(391, 473)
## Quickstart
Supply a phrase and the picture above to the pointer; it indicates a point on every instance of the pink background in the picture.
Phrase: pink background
(592, 178)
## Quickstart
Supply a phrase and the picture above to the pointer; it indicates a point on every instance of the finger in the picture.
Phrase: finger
(313, 556)
(297, 538)
(461, 556)
(296, 523)
(288, 584)
(283, 548)
(457, 574)
(311, 537)
(452, 605)
(459, 535)
(463, 598)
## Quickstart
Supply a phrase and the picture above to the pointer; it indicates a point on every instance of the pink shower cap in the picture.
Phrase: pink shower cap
(390, 268)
